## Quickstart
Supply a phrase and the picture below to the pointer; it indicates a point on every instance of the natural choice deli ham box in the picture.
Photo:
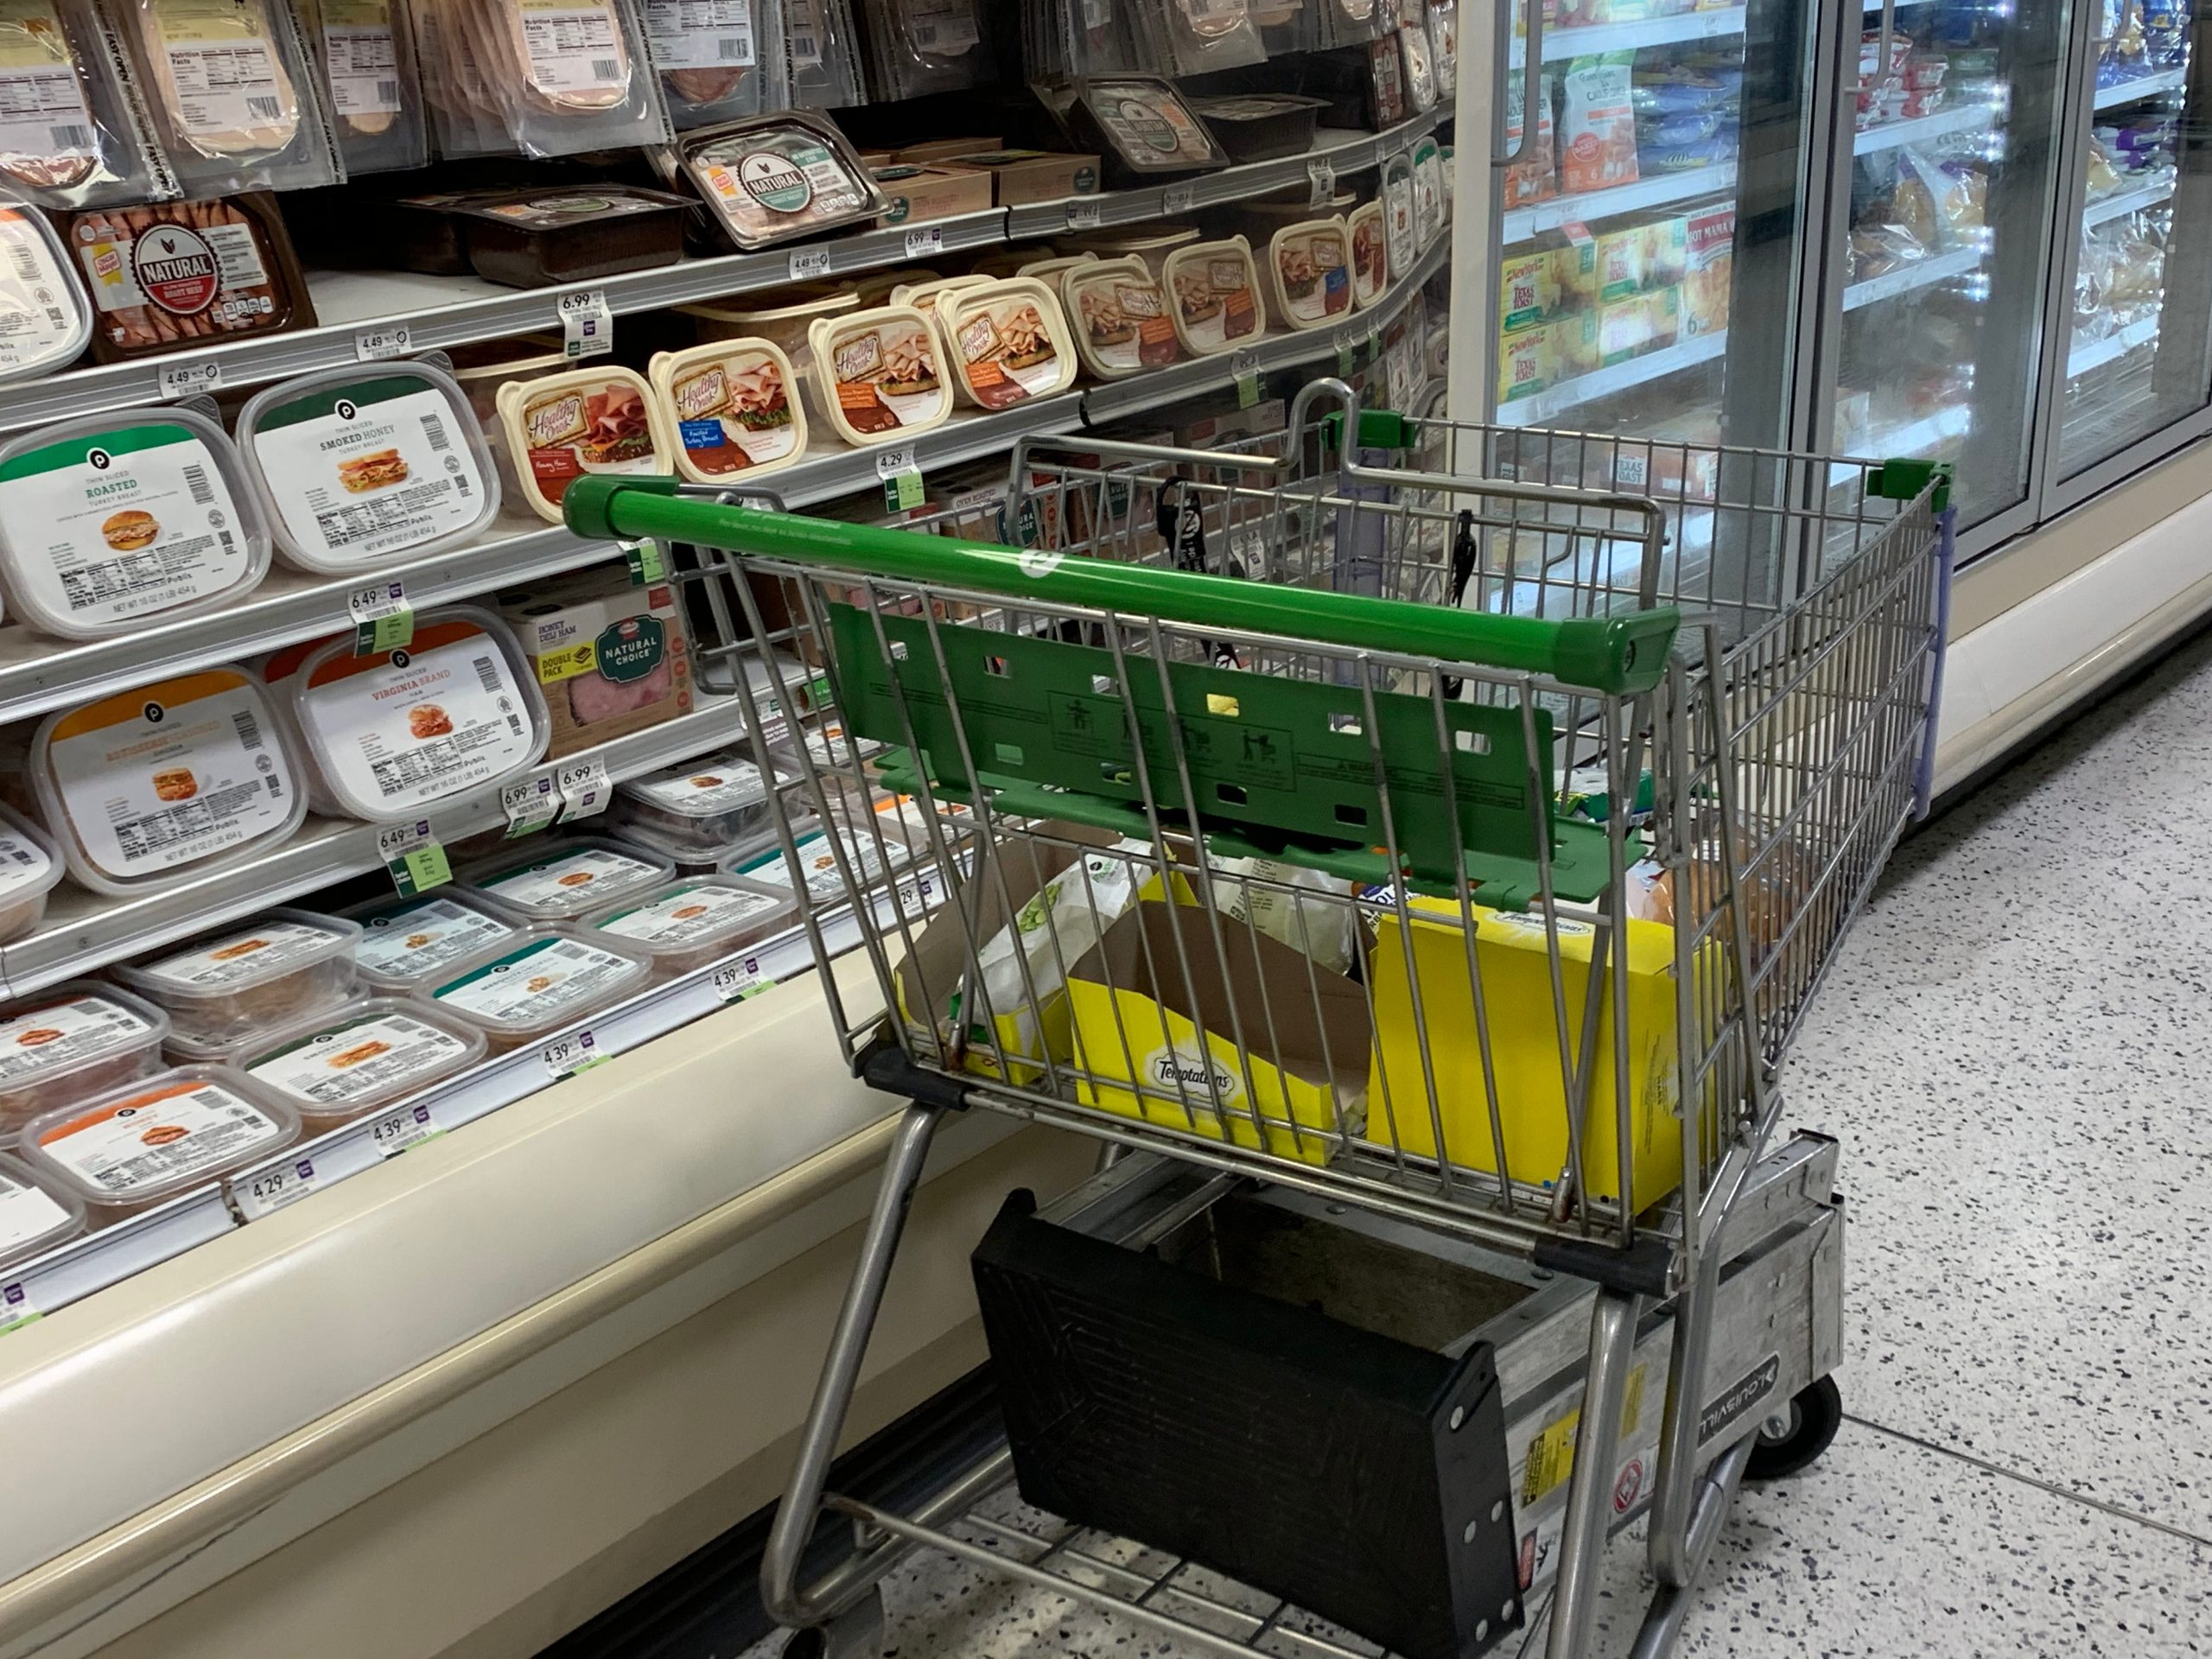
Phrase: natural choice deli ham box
(610, 658)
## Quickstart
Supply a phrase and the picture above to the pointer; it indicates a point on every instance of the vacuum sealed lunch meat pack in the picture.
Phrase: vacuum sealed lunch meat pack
(131, 1147)
(410, 944)
(231, 90)
(564, 426)
(365, 52)
(609, 657)
(701, 812)
(711, 57)
(563, 880)
(69, 134)
(188, 774)
(177, 274)
(255, 978)
(337, 1065)
(552, 977)
(776, 178)
(564, 76)
(357, 467)
(72, 1041)
(45, 316)
(735, 407)
(1142, 128)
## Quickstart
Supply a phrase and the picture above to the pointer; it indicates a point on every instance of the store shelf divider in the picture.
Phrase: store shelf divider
(1539, 408)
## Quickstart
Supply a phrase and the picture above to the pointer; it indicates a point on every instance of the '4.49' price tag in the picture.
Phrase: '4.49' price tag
(383, 341)
(809, 264)
(183, 379)
(382, 619)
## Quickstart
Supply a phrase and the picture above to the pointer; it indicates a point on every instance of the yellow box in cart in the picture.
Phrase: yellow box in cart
(1513, 956)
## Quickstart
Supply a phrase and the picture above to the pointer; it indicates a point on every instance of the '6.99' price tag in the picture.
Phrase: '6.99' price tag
(586, 324)
(585, 788)
(529, 803)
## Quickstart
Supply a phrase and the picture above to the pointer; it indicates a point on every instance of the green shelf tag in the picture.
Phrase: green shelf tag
(646, 563)
(902, 491)
(1248, 390)
(386, 633)
(420, 869)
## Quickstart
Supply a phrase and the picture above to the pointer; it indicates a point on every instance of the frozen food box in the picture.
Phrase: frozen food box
(352, 1059)
(587, 421)
(1308, 283)
(1530, 360)
(30, 867)
(45, 316)
(1642, 322)
(355, 467)
(734, 408)
(705, 808)
(110, 523)
(177, 274)
(1528, 289)
(551, 977)
(1215, 291)
(876, 374)
(183, 775)
(610, 657)
(410, 945)
(72, 1041)
(131, 1148)
(250, 978)
(564, 880)
(1118, 315)
(1009, 341)
(1371, 253)
(694, 920)
(770, 179)
(37, 1212)
(390, 733)
(1709, 272)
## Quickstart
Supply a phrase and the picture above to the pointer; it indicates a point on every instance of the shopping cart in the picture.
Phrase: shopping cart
(1424, 835)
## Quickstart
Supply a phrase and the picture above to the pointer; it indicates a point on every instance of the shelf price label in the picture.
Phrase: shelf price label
(734, 981)
(411, 852)
(1321, 177)
(384, 340)
(1179, 197)
(1347, 343)
(925, 242)
(586, 324)
(382, 619)
(1245, 367)
(585, 788)
(275, 1189)
(646, 563)
(1083, 216)
(16, 1308)
(529, 803)
(809, 264)
(183, 379)
(902, 473)
(392, 1132)
(578, 1051)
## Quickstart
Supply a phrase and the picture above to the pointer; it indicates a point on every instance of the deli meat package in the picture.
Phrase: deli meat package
(181, 273)
(365, 57)
(586, 421)
(611, 658)
(69, 135)
(231, 90)
(563, 76)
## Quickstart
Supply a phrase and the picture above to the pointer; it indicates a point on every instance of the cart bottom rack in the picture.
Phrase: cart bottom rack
(1153, 1255)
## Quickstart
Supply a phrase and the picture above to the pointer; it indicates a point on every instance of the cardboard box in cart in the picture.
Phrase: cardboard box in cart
(1513, 956)
(1139, 1021)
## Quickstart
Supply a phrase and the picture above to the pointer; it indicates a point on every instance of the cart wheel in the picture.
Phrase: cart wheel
(856, 1633)
(1814, 1416)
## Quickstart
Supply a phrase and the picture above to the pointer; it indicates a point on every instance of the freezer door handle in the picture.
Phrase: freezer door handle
(1532, 62)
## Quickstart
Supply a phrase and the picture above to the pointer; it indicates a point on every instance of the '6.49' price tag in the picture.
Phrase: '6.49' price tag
(382, 619)
(412, 853)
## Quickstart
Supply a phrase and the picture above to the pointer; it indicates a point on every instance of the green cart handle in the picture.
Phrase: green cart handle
(1620, 655)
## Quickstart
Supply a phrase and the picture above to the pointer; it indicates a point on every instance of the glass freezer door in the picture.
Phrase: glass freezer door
(1659, 183)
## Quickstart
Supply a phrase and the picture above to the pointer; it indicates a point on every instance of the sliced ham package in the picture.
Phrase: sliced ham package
(610, 657)
(70, 135)
(231, 92)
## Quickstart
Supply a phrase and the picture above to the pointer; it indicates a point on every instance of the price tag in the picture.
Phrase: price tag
(585, 788)
(1083, 216)
(902, 479)
(1347, 346)
(586, 324)
(1245, 367)
(925, 242)
(531, 803)
(382, 621)
(16, 1308)
(183, 379)
(400, 1127)
(735, 981)
(274, 1189)
(1321, 173)
(809, 263)
(386, 340)
(1577, 232)
(414, 857)
(566, 1056)
(1179, 197)
(646, 564)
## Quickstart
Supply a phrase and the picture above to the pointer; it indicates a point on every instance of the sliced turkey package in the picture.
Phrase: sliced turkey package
(231, 90)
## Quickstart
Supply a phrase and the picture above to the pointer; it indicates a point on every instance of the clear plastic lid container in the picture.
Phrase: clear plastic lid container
(360, 1055)
(45, 317)
(584, 423)
(188, 774)
(185, 1050)
(410, 945)
(817, 847)
(131, 1148)
(72, 1041)
(553, 976)
(562, 880)
(1008, 340)
(702, 809)
(1308, 279)
(877, 376)
(30, 867)
(36, 1212)
(357, 466)
(1398, 224)
(921, 292)
(1048, 270)
(1213, 293)
(735, 407)
(252, 978)
(695, 919)
(392, 732)
(1118, 315)
(111, 521)
(779, 315)
(1370, 254)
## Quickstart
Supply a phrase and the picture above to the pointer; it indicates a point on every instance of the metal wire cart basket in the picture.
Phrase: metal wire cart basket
(1411, 852)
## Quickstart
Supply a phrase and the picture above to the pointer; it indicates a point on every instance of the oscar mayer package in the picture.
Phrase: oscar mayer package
(109, 523)
(1597, 125)
(366, 56)
(351, 1059)
(774, 178)
(1308, 283)
(876, 373)
(180, 273)
(1119, 315)
(29, 869)
(553, 977)
(588, 421)
(1216, 293)
(1371, 253)
(1009, 341)
(36, 1212)
(252, 978)
(390, 733)
(564, 880)
(1710, 273)
(358, 465)
(69, 134)
(410, 944)
(45, 316)
(610, 657)
(231, 92)
(130, 1148)
(735, 407)
(690, 922)
(183, 775)
(72, 1041)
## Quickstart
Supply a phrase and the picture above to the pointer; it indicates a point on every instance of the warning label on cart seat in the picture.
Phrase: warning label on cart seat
(1753, 1387)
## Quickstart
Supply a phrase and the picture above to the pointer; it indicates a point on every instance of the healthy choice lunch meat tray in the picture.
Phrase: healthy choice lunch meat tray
(130, 1148)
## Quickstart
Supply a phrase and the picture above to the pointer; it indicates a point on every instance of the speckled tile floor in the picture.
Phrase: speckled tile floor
(2016, 1052)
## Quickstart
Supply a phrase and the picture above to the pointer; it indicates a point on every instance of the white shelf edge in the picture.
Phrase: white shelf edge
(1702, 25)
(1892, 134)
(1522, 223)
(1539, 408)
(2127, 201)
(2098, 352)
(2126, 92)
(1962, 263)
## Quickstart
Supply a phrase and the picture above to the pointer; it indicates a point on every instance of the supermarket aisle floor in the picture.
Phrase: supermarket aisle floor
(2017, 1055)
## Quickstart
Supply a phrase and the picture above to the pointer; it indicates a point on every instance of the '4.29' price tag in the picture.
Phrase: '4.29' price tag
(382, 619)
(902, 479)
(272, 1189)
(735, 981)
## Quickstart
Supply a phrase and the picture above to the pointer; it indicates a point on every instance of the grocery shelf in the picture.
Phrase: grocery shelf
(1701, 25)
(84, 931)
(1522, 223)
(1345, 152)
(2126, 92)
(1892, 134)
(2095, 353)
(1541, 408)
(1915, 438)
(1922, 273)
(2126, 202)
